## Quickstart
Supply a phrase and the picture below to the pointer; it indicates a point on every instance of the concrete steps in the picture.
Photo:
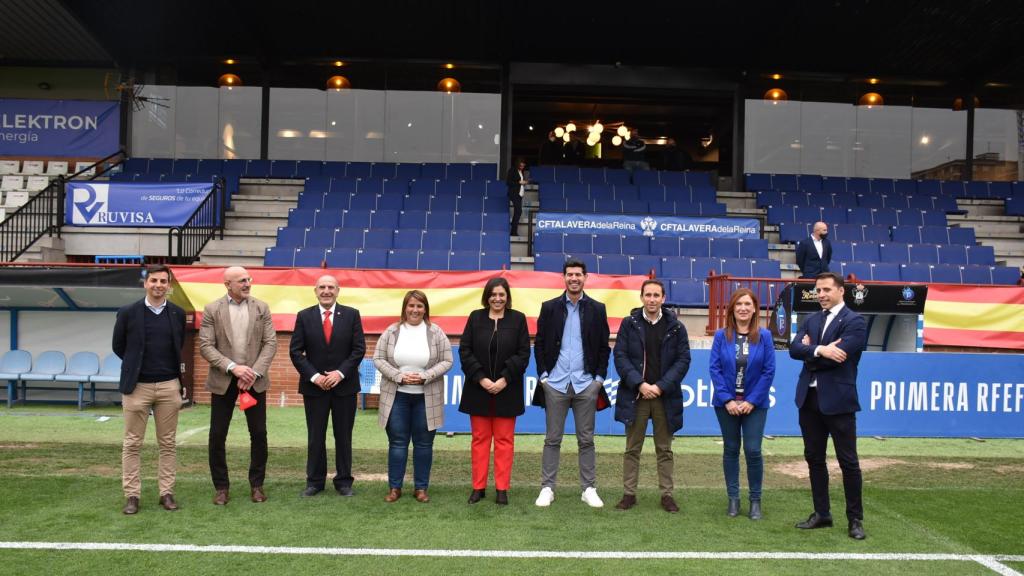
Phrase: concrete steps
(250, 226)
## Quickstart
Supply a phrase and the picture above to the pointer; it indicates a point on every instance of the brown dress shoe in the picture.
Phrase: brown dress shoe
(167, 501)
(627, 502)
(669, 504)
(258, 495)
(221, 497)
(421, 495)
(131, 505)
(393, 494)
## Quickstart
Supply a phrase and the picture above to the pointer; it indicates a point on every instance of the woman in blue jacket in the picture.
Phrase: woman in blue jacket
(742, 370)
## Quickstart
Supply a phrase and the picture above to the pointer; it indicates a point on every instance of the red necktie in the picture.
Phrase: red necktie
(327, 326)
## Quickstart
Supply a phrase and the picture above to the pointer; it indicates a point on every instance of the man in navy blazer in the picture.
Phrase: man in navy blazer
(326, 348)
(814, 254)
(148, 337)
(830, 344)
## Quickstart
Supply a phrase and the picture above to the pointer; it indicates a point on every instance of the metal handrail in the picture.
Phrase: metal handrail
(205, 222)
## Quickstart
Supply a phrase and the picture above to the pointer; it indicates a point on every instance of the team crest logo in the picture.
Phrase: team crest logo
(647, 225)
(908, 294)
(860, 293)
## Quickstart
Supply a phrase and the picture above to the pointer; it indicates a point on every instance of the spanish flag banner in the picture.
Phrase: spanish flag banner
(377, 294)
(973, 316)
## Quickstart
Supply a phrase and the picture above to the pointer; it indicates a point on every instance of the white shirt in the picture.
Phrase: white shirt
(522, 188)
(412, 353)
(833, 312)
(818, 246)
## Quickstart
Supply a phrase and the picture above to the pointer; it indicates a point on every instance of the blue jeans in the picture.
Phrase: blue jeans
(408, 420)
(751, 428)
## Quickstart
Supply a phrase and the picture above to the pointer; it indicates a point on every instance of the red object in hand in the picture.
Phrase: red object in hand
(246, 401)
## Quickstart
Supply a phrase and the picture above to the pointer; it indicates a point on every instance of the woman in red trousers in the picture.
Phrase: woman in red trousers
(495, 350)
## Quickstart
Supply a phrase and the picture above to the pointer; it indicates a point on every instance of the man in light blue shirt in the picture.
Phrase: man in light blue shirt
(572, 353)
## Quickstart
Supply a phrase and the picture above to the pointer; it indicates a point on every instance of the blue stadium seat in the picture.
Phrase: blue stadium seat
(905, 187)
(567, 174)
(695, 246)
(946, 274)
(784, 182)
(971, 274)
(592, 175)
(676, 267)
(382, 170)
(869, 201)
(612, 264)
(928, 187)
(432, 170)
(253, 169)
(897, 252)
(417, 202)
(795, 199)
(356, 219)
(665, 246)
(651, 178)
(309, 257)
(578, 243)
(924, 254)
(903, 202)
(310, 200)
(703, 195)
(700, 267)
(440, 220)
(753, 248)
(963, 236)
(494, 221)
(437, 240)
(459, 172)
(302, 218)
(1000, 190)
(488, 241)
(279, 256)
(185, 166)
(484, 171)
(542, 174)
(408, 239)
(933, 218)
(373, 186)
(477, 204)
(671, 178)
(848, 232)
(338, 202)
(589, 260)
(547, 242)
(616, 176)
(607, 206)
(282, 169)
(876, 234)
(424, 187)
(952, 254)
(885, 271)
(651, 193)
(831, 215)
(433, 259)
(408, 171)
(738, 267)
(780, 214)
(809, 214)
(882, 186)
(906, 234)
(910, 217)
(688, 292)
(358, 170)
(1005, 275)
(754, 182)
(317, 184)
(934, 235)
(348, 238)
(548, 261)
(625, 192)
(165, 166)
(833, 184)
(290, 237)
(643, 265)
(638, 245)
(865, 252)
(412, 219)
(915, 273)
(393, 199)
(981, 255)
(403, 259)
(842, 251)
(579, 204)
(860, 270)
(607, 244)
(764, 268)
(495, 260)
(794, 232)
(954, 188)
(634, 207)
(602, 192)
(662, 207)
(725, 247)
(395, 186)
(858, 185)
(975, 189)
(370, 258)
(319, 237)
(766, 198)
(378, 238)
(334, 169)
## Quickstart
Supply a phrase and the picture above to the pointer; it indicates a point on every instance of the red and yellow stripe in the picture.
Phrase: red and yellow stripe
(377, 294)
(986, 317)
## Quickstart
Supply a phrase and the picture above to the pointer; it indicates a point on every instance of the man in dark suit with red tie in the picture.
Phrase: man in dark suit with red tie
(326, 348)
(830, 344)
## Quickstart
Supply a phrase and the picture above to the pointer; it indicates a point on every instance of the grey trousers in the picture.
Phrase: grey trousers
(584, 407)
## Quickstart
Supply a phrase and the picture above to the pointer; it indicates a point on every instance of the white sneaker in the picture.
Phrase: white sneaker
(591, 498)
(546, 497)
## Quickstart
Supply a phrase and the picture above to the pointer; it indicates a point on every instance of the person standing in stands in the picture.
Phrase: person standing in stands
(652, 356)
(516, 180)
(327, 347)
(494, 349)
(742, 370)
(148, 337)
(571, 349)
(814, 254)
(830, 345)
(412, 356)
(634, 152)
(237, 338)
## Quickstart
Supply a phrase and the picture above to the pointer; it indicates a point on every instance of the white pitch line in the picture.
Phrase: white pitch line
(188, 434)
(989, 561)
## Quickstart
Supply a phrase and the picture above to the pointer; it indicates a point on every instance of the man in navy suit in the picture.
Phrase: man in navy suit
(814, 254)
(326, 348)
(148, 337)
(830, 344)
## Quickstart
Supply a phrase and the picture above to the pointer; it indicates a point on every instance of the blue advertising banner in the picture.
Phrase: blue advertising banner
(901, 395)
(61, 128)
(136, 205)
(655, 225)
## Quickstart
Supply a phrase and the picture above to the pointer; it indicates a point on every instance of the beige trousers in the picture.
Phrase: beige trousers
(164, 398)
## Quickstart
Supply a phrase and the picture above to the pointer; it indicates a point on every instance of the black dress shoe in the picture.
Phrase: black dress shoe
(345, 491)
(311, 491)
(755, 509)
(476, 496)
(131, 505)
(857, 530)
(734, 508)
(815, 520)
(501, 497)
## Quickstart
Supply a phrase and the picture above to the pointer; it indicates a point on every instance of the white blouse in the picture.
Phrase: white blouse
(412, 353)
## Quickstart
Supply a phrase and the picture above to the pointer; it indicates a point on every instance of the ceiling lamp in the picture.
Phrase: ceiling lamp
(776, 95)
(449, 85)
(338, 63)
(616, 140)
(622, 131)
(570, 127)
(958, 104)
(871, 99)
(338, 83)
(566, 137)
(559, 132)
(229, 81)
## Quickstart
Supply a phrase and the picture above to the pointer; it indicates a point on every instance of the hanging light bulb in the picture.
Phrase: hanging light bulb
(566, 137)
(598, 128)
(622, 131)
(593, 139)
(570, 127)
(616, 140)
(559, 131)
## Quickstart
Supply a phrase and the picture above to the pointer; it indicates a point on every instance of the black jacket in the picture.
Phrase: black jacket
(512, 182)
(629, 362)
(130, 339)
(548, 343)
(513, 355)
(807, 257)
(311, 354)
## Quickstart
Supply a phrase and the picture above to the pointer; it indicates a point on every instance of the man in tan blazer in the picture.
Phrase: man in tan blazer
(237, 338)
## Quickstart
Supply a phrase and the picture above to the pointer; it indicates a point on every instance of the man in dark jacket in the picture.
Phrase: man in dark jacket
(652, 355)
(148, 337)
(814, 254)
(516, 181)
